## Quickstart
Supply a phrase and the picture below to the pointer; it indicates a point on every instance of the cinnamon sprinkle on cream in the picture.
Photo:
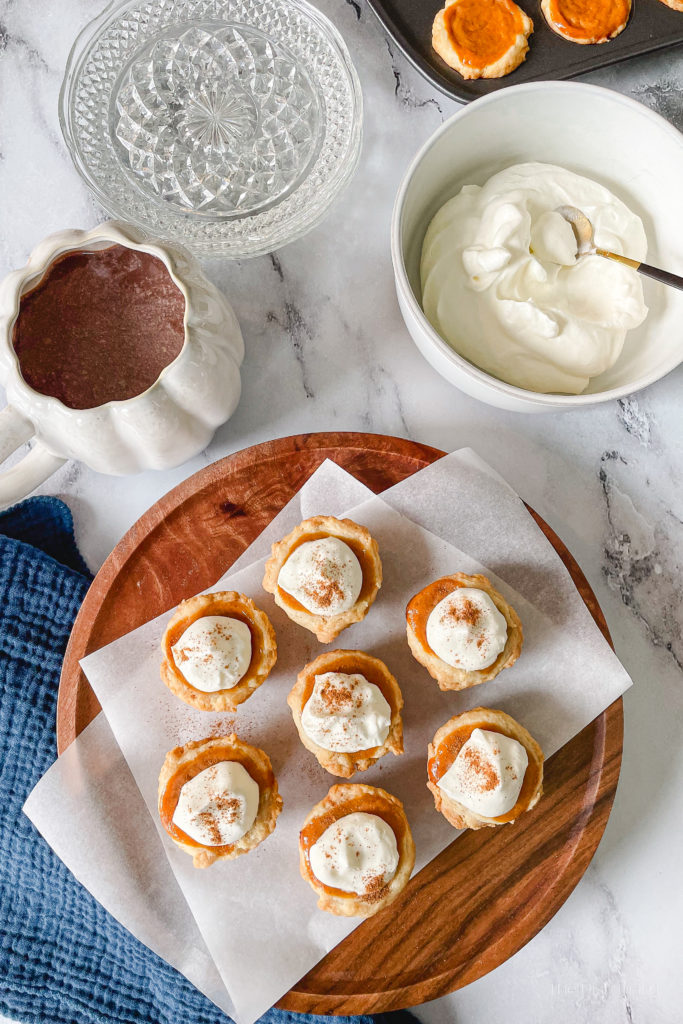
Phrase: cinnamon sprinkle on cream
(480, 774)
(358, 854)
(374, 888)
(218, 805)
(487, 774)
(345, 712)
(466, 611)
(466, 629)
(324, 575)
(214, 652)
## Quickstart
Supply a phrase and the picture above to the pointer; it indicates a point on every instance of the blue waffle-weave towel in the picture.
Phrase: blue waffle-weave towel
(63, 959)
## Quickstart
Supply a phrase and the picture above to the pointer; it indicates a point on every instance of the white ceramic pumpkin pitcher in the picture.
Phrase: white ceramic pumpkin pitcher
(165, 424)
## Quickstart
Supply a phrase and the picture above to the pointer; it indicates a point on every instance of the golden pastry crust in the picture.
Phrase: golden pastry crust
(326, 627)
(343, 799)
(456, 813)
(471, 65)
(448, 677)
(675, 5)
(614, 20)
(341, 763)
(263, 649)
(179, 766)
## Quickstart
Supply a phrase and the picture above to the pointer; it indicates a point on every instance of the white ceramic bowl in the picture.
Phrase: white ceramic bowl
(587, 129)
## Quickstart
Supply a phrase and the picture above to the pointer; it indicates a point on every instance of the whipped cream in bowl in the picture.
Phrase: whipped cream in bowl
(357, 854)
(487, 775)
(502, 283)
(466, 630)
(219, 805)
(346, 713)
(214, 652)
(580, 128)
(323, 575)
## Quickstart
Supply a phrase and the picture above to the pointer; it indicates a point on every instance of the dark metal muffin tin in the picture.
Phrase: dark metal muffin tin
(652, 26)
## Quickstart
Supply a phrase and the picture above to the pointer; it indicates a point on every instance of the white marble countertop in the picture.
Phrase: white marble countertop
(327, 349)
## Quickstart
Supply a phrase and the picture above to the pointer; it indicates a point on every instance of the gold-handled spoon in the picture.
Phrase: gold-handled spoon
(583, 232)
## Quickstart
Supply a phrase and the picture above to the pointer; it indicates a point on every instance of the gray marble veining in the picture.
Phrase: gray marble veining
(327, 349)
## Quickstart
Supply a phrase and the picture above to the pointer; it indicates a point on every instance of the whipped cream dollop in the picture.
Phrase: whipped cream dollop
(213, 653)
(466, 630)
(323, 575)
(218, 805)
(553, 239)
(346, 712)
(358, 854)
(487, 774)
(502, 284)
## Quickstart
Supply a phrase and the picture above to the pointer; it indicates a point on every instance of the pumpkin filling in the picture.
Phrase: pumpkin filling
(459, 624)
(215, 652)
(482, 31)
(219, 804)
(423, 604)
(349, 829)
(480, 769)
(589, 19)
(99, 326)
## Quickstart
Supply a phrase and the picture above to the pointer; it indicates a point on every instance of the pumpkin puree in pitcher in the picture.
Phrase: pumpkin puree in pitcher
(99, 326)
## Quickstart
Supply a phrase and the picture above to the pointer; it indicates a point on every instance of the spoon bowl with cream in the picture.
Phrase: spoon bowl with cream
(582, 229)
(502, 285)
(539, 330)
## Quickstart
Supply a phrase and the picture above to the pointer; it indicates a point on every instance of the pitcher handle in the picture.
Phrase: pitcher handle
(35, 467)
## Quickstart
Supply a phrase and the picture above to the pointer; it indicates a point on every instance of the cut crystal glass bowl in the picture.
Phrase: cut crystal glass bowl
(228, 125)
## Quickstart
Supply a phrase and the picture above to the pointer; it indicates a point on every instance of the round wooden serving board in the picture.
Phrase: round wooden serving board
(491, 891)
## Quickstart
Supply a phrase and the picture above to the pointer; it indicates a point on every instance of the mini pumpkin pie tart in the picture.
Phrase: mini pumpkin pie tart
(218, 798)
(347, 708)
(356, 850)
(482, 38)
(463, 631)
(325, 574)
(484, 769)
(587, 23)
(218, 648)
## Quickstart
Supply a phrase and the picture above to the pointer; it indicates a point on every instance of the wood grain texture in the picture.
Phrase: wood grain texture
(491, 891)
